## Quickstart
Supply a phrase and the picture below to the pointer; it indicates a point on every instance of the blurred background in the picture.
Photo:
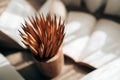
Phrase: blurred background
(13, 13)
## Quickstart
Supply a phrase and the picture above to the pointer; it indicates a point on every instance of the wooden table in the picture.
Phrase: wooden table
(25, 65)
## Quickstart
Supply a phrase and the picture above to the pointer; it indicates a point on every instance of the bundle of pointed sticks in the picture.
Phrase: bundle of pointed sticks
(43, 35)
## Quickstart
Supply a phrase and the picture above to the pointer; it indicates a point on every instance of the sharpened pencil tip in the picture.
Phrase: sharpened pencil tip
(45, 36)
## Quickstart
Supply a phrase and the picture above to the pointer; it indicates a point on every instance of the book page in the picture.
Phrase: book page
(78, 28)
(54, 7)
(12, 18)
(11, 26)
(3, 4)
(104, 44)
(107, 72)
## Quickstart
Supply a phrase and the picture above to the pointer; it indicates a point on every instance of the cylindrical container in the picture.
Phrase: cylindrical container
(51, 67)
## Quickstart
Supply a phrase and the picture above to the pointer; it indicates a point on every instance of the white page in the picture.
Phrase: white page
(11, 26)
(108, 72)
(12, 18)
(78, 28)
(20, 7)
(54, 7)
(103, 45)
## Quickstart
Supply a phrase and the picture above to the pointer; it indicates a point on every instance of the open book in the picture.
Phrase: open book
(90, 42)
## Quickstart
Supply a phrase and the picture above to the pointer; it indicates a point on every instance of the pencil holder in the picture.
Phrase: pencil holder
(44, 36)
(51, 67)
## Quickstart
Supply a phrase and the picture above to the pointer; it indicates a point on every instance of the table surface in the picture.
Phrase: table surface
(25, 65)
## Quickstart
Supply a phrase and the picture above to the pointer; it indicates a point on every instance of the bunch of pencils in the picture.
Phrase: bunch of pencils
(43, 35)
